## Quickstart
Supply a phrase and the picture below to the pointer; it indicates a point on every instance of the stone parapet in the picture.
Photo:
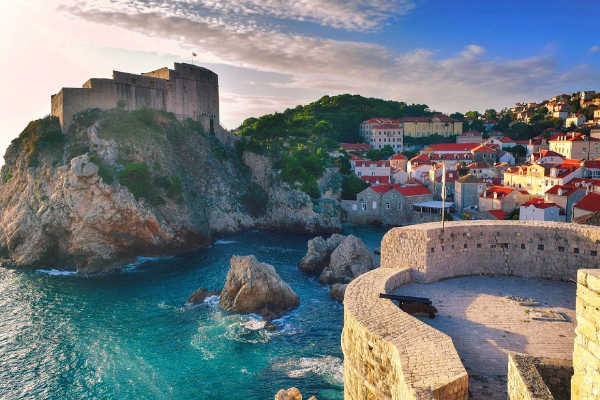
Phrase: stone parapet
(585, 384)
(538, 378)
(389, 354)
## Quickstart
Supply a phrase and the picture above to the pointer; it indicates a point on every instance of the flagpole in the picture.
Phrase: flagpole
(443, 194)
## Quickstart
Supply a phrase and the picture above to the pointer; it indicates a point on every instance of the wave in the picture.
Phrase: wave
(56, 272)
(329, 367)
(226, 241)
(139, 260)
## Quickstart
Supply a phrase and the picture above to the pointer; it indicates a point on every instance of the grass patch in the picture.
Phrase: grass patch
(137, 178)
(42, 135)
(106, 172)
(119, 124)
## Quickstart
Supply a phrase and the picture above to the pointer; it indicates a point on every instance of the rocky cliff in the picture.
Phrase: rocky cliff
(120, 184)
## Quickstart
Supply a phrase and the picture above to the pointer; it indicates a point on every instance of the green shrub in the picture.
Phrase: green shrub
(351, 185)
(120, 124)
(311, 188)
(42, 135)
(137, 178)
(105, 171)
(255, 200)
(86, 118)
(175, 188)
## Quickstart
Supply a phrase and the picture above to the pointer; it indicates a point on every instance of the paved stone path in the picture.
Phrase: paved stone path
(484, 324)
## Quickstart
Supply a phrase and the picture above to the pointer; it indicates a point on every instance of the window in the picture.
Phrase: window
(363, 205)
(576, 250)
(354, 207)
(465, 246)
(374, 204)
(387, 205)
(593, 253)
(561, 249)
(540, 247)
(432, 250)
(478, 245)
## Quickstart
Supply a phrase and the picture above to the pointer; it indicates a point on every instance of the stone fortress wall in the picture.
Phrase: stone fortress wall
(389, 354)
(188, 91)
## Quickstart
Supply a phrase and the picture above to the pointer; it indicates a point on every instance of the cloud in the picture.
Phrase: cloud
(594, 49)
(371, 69)
(355, 15)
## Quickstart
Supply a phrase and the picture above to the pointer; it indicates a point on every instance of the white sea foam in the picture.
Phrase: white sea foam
(331, 368)
(225, 241)
(139, 260)
(55, 272)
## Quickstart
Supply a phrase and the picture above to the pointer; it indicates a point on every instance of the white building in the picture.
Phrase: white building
(574, 119)
(381, 132)
(537, 209)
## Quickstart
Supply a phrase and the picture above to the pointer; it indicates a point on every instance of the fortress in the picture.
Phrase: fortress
(389, 354)
(188, 91)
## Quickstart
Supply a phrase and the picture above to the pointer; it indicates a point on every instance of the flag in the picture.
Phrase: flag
(194, 54)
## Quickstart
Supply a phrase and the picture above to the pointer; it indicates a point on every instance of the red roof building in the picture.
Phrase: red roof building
(591, 203)
(498, 214)
(356, 146)
(450, 148)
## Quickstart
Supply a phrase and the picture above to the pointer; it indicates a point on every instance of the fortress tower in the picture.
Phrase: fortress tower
(188, 91)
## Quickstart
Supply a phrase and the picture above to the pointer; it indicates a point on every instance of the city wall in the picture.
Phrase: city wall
(188, 91)
(389, 354)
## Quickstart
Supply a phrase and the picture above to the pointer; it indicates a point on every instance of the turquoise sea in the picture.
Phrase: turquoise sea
(130, 335)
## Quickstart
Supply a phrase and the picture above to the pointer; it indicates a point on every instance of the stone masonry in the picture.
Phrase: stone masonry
(585, 384)
(188, 91)
(389, 354)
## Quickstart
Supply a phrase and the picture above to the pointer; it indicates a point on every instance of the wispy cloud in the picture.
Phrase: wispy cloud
(594, 49)
(354, 15)
(467, 79)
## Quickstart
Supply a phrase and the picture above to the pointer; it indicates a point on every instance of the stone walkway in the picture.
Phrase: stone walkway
(484, 325)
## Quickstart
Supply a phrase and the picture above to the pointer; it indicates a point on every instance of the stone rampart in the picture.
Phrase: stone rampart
(188, 91)
(586, 354)
(389, 354)
(552, 250)
(538, 378)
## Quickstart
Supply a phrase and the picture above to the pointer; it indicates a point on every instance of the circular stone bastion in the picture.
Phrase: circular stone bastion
(389, 354)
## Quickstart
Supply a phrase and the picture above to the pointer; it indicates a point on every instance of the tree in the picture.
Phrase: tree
(477, 125)
(343, 165)
(351, 185)
(458, 116)
(323, 127)
(472, 114)
(490, 113)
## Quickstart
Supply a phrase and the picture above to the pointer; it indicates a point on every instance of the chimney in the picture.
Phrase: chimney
(560, 191)
(495, 195)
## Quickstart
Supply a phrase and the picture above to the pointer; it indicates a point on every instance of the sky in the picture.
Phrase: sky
(275, 54)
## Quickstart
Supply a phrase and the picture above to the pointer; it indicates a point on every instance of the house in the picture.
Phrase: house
(565, 196)
(502, 198)
(497, 214)
(506, 142)
(438, 124)
(592, 169)
(446, 148)
(488, 124)
(482, 169)
(574, 120)
(353, 159)
(466, 191)
(372, 168)
(375, 180)
(418, 167)
(484, 153)
(355, 146)
(398, 161)
(470, 137)
(388, 204)
(537, 209)
(535, 144)
(506, 157)
(546, 157)
(597, 114)
(590, 204)
(381, 132)
(435, 181)
(575, 145)
(538, 178)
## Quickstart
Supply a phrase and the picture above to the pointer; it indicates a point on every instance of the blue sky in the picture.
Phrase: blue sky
(274, 54)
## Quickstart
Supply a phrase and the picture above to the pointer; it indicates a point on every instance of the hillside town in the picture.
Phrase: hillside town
(484, 173)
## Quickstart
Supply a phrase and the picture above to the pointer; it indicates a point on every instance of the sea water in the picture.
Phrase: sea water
(131, 335)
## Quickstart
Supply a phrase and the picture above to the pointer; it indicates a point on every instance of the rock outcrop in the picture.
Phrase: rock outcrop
(349, 260)
(255, 287)
(291, 394)
(199, 295)
(120, 184)
(319, 253)
(337, 291)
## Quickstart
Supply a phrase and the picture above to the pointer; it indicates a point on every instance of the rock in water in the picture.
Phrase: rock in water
(349, 260)
(318, 253)
(290, 394)
(199, 295)
(337, 291)
(255, 287)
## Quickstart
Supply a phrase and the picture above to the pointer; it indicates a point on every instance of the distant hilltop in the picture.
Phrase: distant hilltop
(188, 91)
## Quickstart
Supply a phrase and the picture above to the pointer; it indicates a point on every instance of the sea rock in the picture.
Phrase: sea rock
(349, 260)
(319, 253)
(255, 287)
(199, 295)
(337, 291)
(291, 394)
